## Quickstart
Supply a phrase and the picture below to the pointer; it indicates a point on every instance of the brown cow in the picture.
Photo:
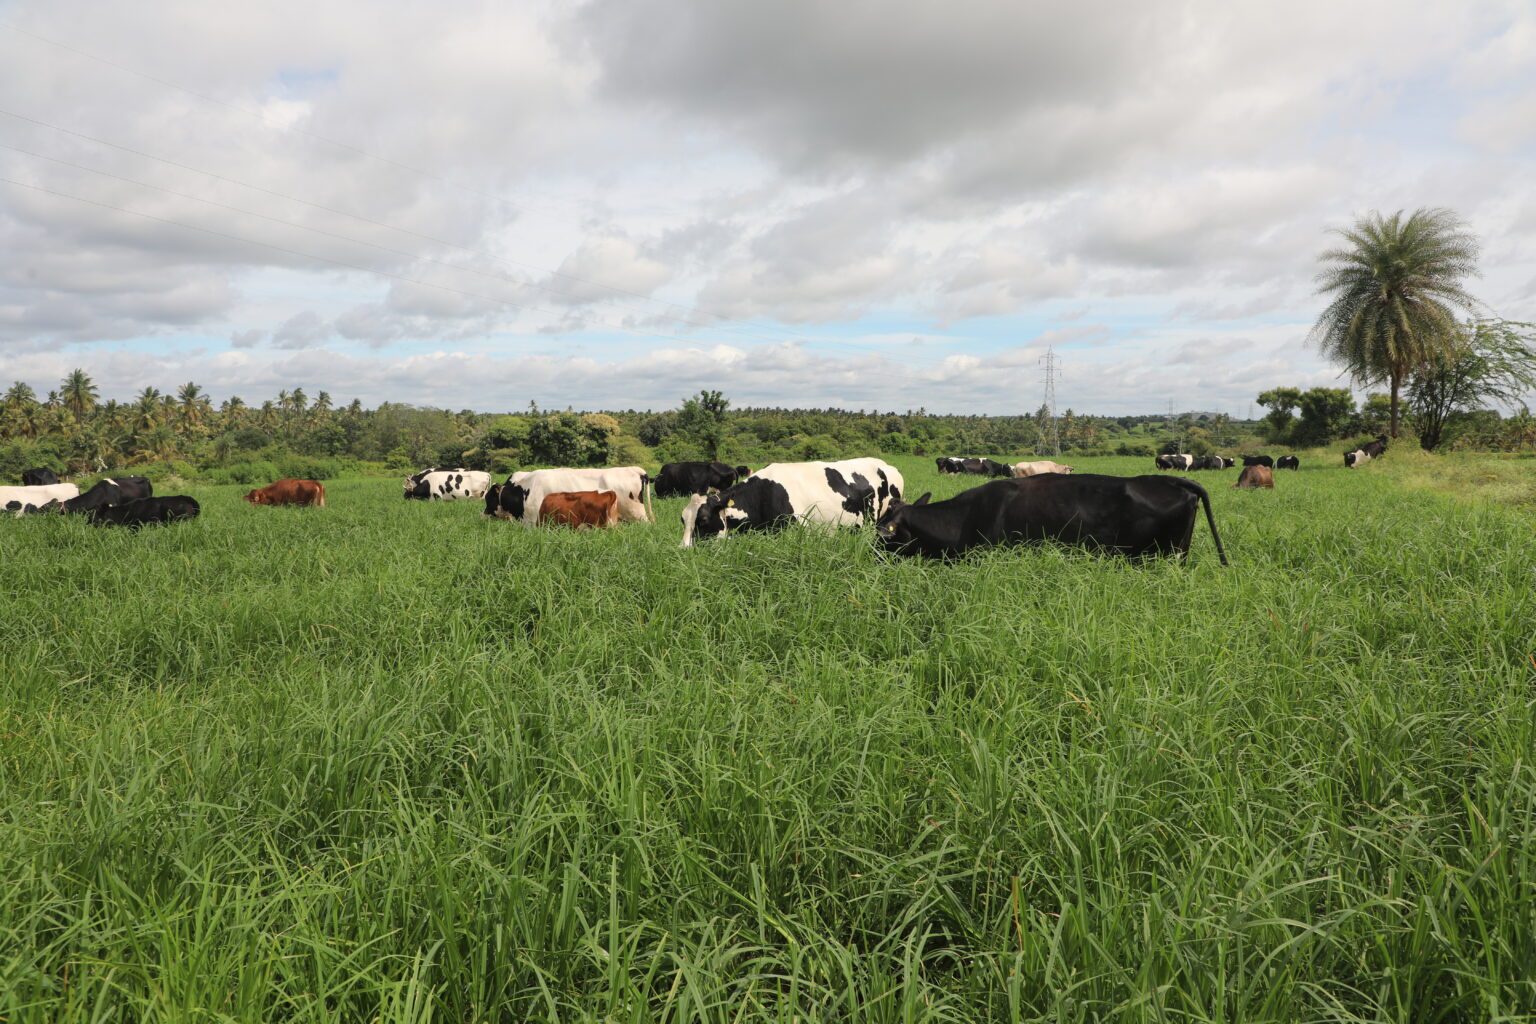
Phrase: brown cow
(580, 509)
(1256, 476)
(289, 491)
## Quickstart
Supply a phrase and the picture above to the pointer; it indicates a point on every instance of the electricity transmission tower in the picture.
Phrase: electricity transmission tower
(1050, 433)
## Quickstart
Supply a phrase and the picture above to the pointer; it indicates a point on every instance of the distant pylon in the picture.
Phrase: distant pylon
(1050, 434)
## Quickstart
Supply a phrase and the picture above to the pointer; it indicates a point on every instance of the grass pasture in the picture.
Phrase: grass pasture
(391, 761)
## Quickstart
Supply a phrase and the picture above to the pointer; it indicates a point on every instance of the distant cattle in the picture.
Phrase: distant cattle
(836, 493)
(1175, 462)
(289, 491)
(1287, 462)
(1134, 516)
(975, 466)
(40, 477)
(523, 494)
(110, 491)
(447, 484)
(1256, 476)
(1258, 460)
(681, 478)
(35, 498)
(145, 512)
(1366, 452)
(1022, 469)
(580, 509)
(1210, 462)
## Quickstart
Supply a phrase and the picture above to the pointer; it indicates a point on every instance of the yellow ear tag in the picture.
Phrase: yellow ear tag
(731, 503)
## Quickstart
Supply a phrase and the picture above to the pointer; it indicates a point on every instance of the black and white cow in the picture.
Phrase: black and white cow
(145, 512)
(112, 491)
(447, 484)
(523, 494)
(1366, 452)
(1185, 462)
(39, 477)
(1259, 460)
(1287, 462)
(837, 493)
(974, 466)
(679, 478)
(35, 498)
(1135, 516)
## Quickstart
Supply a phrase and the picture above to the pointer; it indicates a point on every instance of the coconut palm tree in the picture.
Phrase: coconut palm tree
(192, 406)
(79, 393)
(1394, 290)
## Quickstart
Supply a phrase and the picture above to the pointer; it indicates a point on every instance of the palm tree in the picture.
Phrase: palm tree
(146, 410)
(193, 406)
(1393, 290)
(233, 412)
(79, 393)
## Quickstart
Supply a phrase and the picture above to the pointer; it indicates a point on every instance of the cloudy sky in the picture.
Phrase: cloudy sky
(613, 204)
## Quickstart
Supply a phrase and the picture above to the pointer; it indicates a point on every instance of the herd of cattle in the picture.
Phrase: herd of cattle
(1040, 500)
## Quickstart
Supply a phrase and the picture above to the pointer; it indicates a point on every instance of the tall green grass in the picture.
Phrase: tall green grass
(390, 761)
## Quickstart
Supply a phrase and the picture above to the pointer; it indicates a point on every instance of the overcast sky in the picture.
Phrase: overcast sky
(616, 203)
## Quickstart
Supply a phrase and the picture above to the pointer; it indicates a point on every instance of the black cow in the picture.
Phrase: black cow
(1135, 516)
(1366, 452)
(145, 512)
(1211, 462)
(40, 477)
(1287, 462)
(976, 467)
(116, 491)
(1258, 460)
(680, 478)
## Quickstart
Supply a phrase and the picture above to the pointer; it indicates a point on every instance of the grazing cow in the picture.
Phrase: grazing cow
(40, 477)
(1287, 462)
(837, 493)
(580, 510)
(36, 497)
(523, 494)
(1022, 469)
(1135, 516)
(447, 484)
(679, 478)
(114, 491)
(1258, 460)
(145, 512)
(1175, 462)
(1212, 462)
(1366, 452)
(1256, 476)
(289, 491)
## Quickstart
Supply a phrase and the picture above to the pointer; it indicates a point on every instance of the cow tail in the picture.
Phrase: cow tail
(322, 495)
(1205, 499)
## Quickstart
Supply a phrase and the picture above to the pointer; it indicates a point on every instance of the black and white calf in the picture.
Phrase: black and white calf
(836, 493)
(1366, 452)
(1185, 462)
(113, 491)
(678, 478)
(1287, 462)
(1134, 516)
(447, 484)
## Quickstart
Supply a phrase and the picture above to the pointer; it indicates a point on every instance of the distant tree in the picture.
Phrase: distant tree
(1395, 287)
(702, 420)
(1281, 403)
(79, 393)
(1326, 414)
(1493, 359)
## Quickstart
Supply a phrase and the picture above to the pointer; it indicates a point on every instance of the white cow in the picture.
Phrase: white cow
(447, 484)
(837, 493)
(19, 499)
(1036, 468)
(523, 494)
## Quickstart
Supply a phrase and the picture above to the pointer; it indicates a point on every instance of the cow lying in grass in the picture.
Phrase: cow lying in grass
(1135, 516)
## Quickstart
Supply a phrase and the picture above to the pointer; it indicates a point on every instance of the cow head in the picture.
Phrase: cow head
(709, 516)
(255, 497)
(493, 500)
(892, 528)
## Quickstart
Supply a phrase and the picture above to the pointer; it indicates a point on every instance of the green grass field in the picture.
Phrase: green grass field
(392, 761)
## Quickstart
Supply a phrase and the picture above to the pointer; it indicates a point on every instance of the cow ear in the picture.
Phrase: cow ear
(924, 499)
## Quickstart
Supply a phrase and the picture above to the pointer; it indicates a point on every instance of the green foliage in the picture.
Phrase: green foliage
(701, 422)
(1326, 413)
(1493, 359)
(1281, 403)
